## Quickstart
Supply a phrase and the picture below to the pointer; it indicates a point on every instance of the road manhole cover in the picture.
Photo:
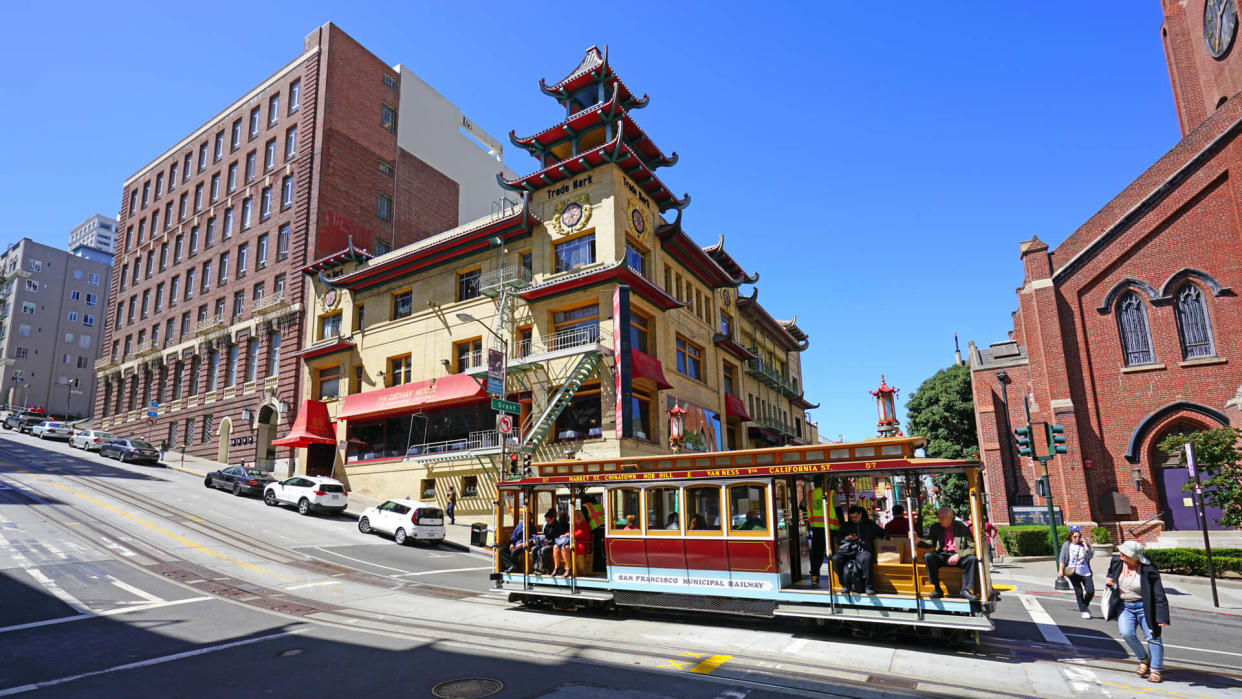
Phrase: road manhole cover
(467, 688)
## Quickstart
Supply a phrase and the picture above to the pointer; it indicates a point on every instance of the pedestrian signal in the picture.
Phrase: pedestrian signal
(1024, 440)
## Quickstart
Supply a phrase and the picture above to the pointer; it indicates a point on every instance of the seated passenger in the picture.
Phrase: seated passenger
(631, 522)
(673, 522)
(563, 554)
(855, 541)
(509, 555)
(551, 530)
(899, 526)
(753, 521)
(952, 545)
(698, 523)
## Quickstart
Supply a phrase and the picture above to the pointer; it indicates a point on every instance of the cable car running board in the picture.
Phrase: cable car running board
(970, 623)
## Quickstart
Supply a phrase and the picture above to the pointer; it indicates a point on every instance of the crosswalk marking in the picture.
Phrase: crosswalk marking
(1043, 621)
(56, 590)
(135, 591)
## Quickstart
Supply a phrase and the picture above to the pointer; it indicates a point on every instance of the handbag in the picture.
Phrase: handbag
(1106, 598)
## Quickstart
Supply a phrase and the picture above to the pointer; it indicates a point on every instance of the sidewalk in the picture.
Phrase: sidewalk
(456, 535)
(1184, 591)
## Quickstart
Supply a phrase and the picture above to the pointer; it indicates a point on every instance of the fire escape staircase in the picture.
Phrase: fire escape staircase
(536, 429)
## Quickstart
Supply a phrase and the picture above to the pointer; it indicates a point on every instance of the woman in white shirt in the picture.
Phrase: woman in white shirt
(1139, 604)
(1075, 562)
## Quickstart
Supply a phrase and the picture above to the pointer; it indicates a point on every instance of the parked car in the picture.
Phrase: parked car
(405, 520)
(27, 422)
(130, 450)
(239, 480)
(308, 493)
(50, 429)
(90, 440)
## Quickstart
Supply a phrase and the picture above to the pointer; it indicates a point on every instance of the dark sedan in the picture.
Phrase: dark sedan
(239, 480)
(130, 450)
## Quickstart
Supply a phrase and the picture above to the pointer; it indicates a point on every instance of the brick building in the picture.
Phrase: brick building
(212, 232)
(1130, 329)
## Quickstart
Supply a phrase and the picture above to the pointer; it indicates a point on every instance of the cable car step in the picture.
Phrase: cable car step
(593, 595)
(930, 618)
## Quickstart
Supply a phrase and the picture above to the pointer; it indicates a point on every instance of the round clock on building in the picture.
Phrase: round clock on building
(1220, 24)
(638, 221)
(571, 215)
(329, 298)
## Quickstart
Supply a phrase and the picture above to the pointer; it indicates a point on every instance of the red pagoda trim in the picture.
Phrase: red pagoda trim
(801, 402)
(619, 272)
(338, 258)
(692, 257)
(728, 264)
(593, 68)
(749, 307)
(731, 346)
(336, 344)
(589, 119)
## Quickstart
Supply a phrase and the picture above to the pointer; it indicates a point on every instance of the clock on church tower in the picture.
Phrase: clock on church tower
(1200, 45)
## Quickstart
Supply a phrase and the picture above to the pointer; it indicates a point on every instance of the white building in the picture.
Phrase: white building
(94, 239)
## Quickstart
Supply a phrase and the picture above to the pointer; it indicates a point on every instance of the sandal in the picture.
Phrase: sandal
(1155, 676)
(1143, 668)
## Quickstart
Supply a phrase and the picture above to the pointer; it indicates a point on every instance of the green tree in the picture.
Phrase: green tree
(1217, 455)
(943, 411)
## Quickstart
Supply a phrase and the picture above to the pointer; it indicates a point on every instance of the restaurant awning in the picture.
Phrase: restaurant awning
(312, 426)
(456, 388)
(734, 407)
(643, 366)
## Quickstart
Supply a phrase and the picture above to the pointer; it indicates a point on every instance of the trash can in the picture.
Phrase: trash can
(478, 534)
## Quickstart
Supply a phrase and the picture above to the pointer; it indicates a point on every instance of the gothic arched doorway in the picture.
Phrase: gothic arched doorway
(226, 433)
(264, 451)
(1169, 473)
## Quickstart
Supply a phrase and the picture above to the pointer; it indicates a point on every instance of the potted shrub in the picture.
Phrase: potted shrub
(1102, 541)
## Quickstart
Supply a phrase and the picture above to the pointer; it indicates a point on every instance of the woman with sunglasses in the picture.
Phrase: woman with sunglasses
(1075, 562)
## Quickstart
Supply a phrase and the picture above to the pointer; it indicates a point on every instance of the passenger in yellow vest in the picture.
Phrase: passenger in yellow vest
(816, 523)
(594, 513)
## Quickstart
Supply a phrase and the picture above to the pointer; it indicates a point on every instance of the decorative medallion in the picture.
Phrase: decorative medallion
(330, 297)
(638, 219)
(1220, 25)
(726, 297)
(572, 215)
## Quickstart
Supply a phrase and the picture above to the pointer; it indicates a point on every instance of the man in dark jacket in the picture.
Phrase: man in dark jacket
(517, 542)
(543, 548)
(952, 545)
(855, 541)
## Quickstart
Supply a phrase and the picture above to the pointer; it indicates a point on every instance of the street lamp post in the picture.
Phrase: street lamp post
(504, 352)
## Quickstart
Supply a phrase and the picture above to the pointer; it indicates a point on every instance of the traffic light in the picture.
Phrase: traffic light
(527, 471)
(1024, 440)
(513, 465)
(1056, 440)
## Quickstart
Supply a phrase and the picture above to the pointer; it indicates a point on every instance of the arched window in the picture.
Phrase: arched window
(1192, 323)
(1132, 324)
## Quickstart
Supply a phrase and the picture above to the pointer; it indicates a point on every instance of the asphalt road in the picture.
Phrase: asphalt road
(117, 579)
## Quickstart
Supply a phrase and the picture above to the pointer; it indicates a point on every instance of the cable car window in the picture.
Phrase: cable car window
(703, 508)
(748, 509)
(663, 513)
(624, 511)
(782, 509)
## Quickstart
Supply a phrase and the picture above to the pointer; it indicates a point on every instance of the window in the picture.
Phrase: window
(239, 303)
(213, 369)
(198, 198)
(251, 160)
(330, 326)
(389, 81)
(230, 367)
(468, 284)
(640, 332)
(254, 122)
(172, 175)
(150, 263)
(194, 235)
(388, 117)
(252, 359)
(146, 194)
(382, 247)
(625, 514)
(124, 275)
(92, 299)
(642, 415)
(291, 142)
(206, 277)
(469, 354)
(703, 509)
(295, 96)
(575, 253)
(574, 327)
(400, 370)
(20, 353)
(28, 308)
(159, 297)
(260, 258)
(328, 380)
(23, 330)
(185, 323)
(269, 155)
(69, 338)
(273, 109)
(207, 427)
(359, 314)
(273, 353)
(730, 379)
(183, 206)
(155, 225)
(215, 188)
(174, 291)
(582, 417)
(726, 325)
(402, 304)
(73, 315)
(689, 358)
(383, 207)
(224, 269)
(526, 261)
(748, 510)
(159, 185)
(142, 228)
(663, 511)
(1193, 328)
(232, 184)
(202, 158)
(282, 242)
(33, 286)
(84, 341)
(636, 259)
(286, 192)
(133, 201)
(243, 255)
(385, 168)
(265, 204)
(189, 284)
(469, 486)
(278, 285)
(227, 231)
(219, 153)
(257, 295)
(196, 365)
(1132, 324)
(237, 135)
(163, 257)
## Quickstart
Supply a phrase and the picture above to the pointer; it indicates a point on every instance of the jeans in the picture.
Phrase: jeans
(1084, 590)
(1131, 619)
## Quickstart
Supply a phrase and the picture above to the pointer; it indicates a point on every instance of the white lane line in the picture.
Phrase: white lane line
(1106, 637)
(794, 647)
(313, 584)
(135, 591)
(359, 560)
(434, 572)
(146, 663)
(1082, 680)
(51, 586)
(1043, 621)
(55, 551)
(113, 546)
(109, 612)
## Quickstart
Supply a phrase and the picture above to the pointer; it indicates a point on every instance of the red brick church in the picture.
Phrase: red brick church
(1131, 329)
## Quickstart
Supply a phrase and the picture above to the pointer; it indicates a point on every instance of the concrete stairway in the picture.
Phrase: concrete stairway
(1220, 538)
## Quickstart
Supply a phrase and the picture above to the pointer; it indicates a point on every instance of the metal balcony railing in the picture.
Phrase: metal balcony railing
(210, 325)
(512, 277)
(484, 439)
(146, 347)
(270, 302)
(105, 362)
(767, 373)
(569, 338)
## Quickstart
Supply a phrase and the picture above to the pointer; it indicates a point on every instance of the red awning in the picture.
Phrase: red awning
(457, 388)
(312, 426)
(734, 407)
(643, 366)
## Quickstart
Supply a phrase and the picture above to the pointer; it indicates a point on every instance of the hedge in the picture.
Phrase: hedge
(1194, 561)
(1029, 540)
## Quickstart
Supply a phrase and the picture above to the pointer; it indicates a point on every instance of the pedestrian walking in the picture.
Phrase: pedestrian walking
(163, 448)
(452, 505)
(1075, 560)
(1138, 601)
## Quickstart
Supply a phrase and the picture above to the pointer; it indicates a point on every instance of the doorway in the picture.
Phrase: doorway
(226, 433)
(264, 452)
(1170, 474)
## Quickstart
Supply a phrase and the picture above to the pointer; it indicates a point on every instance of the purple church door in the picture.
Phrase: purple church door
(1178, 506)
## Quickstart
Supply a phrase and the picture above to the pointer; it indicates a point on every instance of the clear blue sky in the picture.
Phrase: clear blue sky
(877, 167)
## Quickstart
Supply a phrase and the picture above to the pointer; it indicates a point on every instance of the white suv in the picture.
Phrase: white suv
(406, 520)
(308, 493)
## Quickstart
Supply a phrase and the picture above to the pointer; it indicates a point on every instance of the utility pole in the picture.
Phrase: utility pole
(1207, 544)
(1044, 448)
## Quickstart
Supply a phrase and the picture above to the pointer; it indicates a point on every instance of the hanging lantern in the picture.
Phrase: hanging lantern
(886, 406)
(676, 426)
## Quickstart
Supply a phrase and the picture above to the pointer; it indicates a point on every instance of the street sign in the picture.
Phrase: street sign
(495, 372)
(151, 420)
(505, 424)
(504, 406)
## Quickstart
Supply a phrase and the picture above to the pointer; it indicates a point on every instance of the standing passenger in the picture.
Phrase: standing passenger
(1138, 601)
(817, 523)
